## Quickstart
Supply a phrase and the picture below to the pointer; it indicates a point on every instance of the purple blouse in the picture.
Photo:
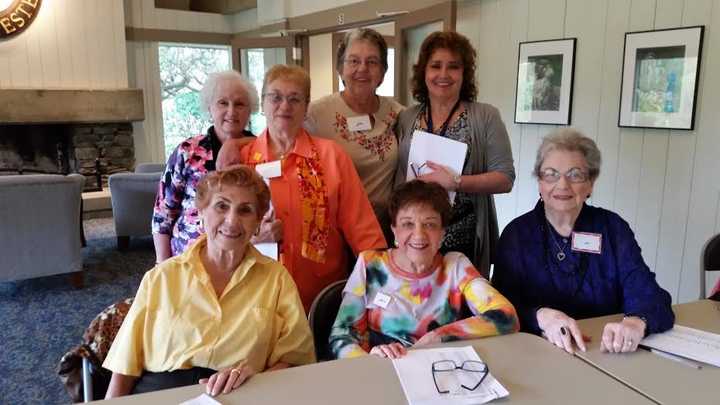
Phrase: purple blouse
(582, 285)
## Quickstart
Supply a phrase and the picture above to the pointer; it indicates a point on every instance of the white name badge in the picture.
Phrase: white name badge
(382, 300)
(359, 123)
(269, 170)
(587, 242)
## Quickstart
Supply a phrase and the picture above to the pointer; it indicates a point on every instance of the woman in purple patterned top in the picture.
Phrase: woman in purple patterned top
(229, 100)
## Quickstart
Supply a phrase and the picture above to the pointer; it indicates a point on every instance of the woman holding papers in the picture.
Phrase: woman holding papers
(229, 99)
(362, 122)
(444, 84)
(318, 201)
(412, 295)
(219, 312)
(566, 260)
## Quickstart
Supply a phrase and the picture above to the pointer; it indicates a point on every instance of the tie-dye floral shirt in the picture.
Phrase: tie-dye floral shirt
(383, 304)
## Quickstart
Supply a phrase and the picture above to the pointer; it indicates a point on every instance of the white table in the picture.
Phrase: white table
(532, 370)
(663, 380)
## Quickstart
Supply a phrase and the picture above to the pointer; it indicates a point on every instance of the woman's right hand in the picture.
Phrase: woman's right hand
(227, 379)
(393, 351)
(271, 229)
(560, 329)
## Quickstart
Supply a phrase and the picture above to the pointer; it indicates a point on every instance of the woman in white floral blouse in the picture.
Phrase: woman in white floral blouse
(359, 120)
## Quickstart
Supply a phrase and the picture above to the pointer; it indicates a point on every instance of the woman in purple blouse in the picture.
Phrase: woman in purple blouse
(229, 99)
(566, 260)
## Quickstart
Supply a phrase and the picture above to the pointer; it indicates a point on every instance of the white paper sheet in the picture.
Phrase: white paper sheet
(268, 249)
(426, 146)
(687, 342)
(202, 399)
(415, 373)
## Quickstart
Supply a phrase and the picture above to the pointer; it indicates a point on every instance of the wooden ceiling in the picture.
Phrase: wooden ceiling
(208, 6)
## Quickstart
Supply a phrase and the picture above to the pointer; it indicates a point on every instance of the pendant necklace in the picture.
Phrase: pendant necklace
(561, 250)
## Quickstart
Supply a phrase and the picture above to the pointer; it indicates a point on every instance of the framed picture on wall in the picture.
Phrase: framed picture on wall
(545, 81)
(660, 78)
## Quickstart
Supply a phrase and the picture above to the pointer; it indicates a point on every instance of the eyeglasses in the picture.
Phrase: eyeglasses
(354, 63)
(276, 99)
(471, 366)
(574, 175)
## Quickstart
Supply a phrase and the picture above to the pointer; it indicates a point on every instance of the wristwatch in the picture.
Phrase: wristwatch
(457, 179)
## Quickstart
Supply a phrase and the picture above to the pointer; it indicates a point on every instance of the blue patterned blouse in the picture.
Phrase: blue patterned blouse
(583, 285)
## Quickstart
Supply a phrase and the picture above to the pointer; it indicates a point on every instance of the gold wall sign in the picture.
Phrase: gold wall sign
(16, 17)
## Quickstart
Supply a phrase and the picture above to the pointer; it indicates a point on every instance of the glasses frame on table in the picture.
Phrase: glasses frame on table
(471, 366)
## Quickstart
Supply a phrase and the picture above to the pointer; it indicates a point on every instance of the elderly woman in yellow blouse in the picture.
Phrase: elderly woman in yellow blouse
(219, 312)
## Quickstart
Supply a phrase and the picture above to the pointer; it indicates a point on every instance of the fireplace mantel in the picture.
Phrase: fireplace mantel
(37, 106)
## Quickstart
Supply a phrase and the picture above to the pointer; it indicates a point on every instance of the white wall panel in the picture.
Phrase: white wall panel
(71, 44)
(664, 183)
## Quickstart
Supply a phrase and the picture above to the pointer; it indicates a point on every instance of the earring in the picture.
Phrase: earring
(540, 196)
(257, 231)
(396, 243)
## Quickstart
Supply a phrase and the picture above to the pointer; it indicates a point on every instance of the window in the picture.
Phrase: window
(183, 70)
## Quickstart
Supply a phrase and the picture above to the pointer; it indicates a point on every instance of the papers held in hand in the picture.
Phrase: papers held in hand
(693, 344)
(426, 146)
(424, 385)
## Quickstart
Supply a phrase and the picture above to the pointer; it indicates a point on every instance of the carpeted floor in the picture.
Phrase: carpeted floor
(41, 319)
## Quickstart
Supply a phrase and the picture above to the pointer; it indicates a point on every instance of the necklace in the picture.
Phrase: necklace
(561, 250)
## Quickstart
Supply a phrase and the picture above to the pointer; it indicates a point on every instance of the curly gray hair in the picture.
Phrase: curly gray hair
(570, 140)
(207, 94)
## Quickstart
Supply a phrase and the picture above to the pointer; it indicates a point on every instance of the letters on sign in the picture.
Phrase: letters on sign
(17, 17)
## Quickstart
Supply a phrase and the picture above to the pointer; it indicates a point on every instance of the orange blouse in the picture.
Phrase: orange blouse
(350, 217)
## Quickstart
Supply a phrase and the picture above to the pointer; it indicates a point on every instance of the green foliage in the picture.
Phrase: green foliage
(183, 70)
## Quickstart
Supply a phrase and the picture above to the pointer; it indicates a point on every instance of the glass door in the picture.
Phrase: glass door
(410, 31)
(252, 57)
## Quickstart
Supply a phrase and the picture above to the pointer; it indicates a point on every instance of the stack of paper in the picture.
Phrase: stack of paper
(437, 149)
(416, 378)
(687, 342)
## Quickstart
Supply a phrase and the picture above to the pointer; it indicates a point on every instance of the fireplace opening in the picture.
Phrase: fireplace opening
(94, 150)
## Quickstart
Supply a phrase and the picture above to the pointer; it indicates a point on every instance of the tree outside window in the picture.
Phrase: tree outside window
(183, 71)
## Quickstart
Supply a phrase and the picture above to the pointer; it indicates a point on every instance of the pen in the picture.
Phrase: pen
(670, 356)
(412, 167)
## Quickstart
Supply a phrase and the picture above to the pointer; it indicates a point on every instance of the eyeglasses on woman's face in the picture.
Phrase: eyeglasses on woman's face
(355, 63)
(574, 175)
(276, 98)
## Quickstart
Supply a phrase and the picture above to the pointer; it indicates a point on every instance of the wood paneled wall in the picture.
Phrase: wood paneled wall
(78, 44)
(664, 183)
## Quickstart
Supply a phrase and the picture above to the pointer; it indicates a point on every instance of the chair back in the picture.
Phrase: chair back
(322, 315)
(710, 260)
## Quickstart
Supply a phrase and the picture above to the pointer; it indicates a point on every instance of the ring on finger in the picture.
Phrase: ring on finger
(629, 342)
(236, 371)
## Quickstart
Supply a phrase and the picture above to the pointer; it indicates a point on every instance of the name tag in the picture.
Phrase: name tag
(587, 242)
(382, 300)
(359, 123)
(269, 170)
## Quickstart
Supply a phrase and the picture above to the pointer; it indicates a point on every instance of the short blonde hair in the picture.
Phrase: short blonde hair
(570, 140)
(290, 73)
(239, 176)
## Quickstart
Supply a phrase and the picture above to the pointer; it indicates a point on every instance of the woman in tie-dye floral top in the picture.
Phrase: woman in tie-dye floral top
(411, 295)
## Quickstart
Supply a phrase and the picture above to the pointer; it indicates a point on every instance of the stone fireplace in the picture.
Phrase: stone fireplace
(69, 131)
(93, 150)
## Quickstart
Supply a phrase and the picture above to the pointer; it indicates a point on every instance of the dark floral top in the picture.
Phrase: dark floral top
(175, 213)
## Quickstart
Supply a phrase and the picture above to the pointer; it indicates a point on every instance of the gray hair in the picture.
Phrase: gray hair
(570, 140)
(365, 34)
(207, 94)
